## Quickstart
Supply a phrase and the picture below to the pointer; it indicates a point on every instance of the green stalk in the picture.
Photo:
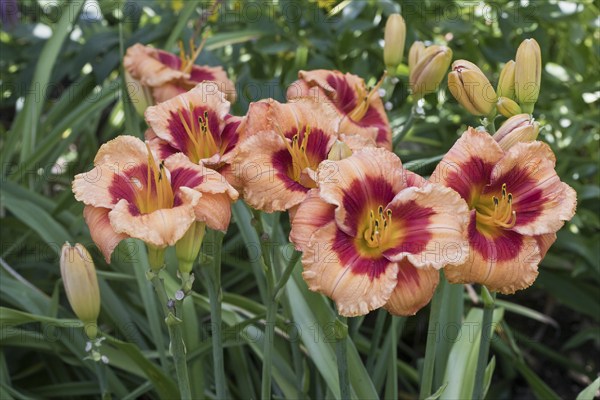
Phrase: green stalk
(392, 375)
(269, 337)
(432, 339)
(484, 345)
(101, 374)
(405, 128)
(271, 305)
(177, 346)
(213, 285)
(341, 354)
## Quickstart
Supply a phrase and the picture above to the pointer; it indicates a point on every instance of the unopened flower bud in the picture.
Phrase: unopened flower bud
(394, 37)
(528, 74)
(507, 107)
(339, 151)
(81, 285)
(156, 257)
(519, 128)
(139, 95)
(429, 70)
(188, 247)
(506, 82)
(471, 88)
(414, 54)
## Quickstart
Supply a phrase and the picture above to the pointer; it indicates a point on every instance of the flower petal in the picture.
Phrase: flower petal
(158, 146)
(344, 91)
(101, 230)
(122, 153)
(161, 228)
(312, 214)
(333, 267)
(197, 176)
(261, 165)
(541, 201)
(143, 63)
(429, 226)
(414, 289)
(506, 263)
(94, 187)
(360, 183)
(467, 166)
(165, 120)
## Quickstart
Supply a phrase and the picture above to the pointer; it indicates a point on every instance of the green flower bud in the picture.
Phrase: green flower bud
(516, 129)
(139, 95)
(156, 257)
(394, 37)
(472, 89)
(507, 107)
(339, 151)
(188, 247)
(528, 74)
(414, 54)
(429, 70)
(506, 83)
(81, 285)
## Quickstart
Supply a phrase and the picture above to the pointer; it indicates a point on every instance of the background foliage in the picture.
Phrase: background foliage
(62, 96)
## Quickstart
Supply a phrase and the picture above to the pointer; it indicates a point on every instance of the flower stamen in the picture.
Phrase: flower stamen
(297, 149)
(187, 62)
(379, 227)
(199, 134)
(502, 214)
(158, 192)
(359, 111)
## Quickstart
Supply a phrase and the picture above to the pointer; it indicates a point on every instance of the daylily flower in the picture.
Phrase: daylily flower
(517, 204)
(285, 143)
(168, 75)
(129, 194)
(362, 111)
(196, 123)
(374, 235)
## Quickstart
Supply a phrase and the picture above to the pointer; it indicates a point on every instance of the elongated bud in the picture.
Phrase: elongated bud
(81, 285)
(188, 247)
(506, 82)
(519, 128)
(429, 70)
(156, 257)
(470, 87)
(139, 95)
(528, 74)
(394, 37)
(507, 107)
(415, 53)
(339, 151)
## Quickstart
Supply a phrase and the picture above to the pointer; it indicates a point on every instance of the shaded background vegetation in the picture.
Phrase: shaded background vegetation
(60, 99)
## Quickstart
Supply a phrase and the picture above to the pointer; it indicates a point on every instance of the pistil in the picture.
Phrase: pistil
(379, 229)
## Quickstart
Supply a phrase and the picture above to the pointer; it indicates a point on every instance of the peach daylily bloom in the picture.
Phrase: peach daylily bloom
(276, 163)
(168, 75)
(362, 111)
(374, 235)
(517, 204)
(196, 123)
(129, 194)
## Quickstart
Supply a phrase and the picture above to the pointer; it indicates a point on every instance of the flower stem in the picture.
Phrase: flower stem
(484, 345)
(341, 354)
(405, 128)
(174, 323)
(432, 339)
(271, 305)
(213, 286)
(268, 338)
